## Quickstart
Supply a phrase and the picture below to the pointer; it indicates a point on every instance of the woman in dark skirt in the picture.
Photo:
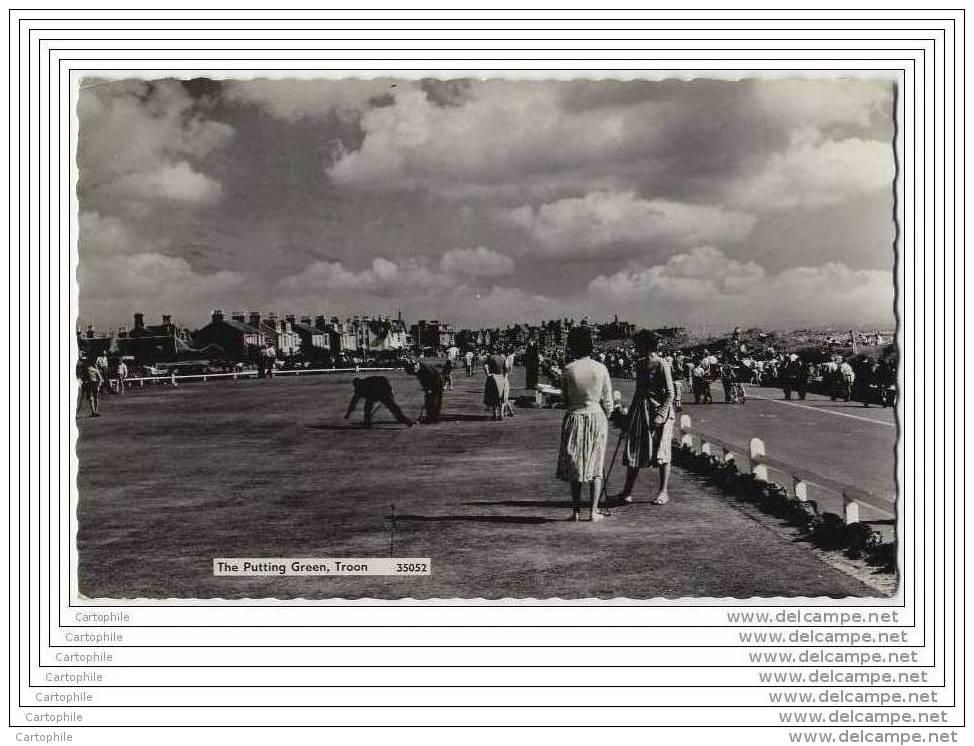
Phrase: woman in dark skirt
(650, 433)
(587, 393)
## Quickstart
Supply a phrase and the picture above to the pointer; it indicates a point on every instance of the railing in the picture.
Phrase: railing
(173, 379)
(759, 464)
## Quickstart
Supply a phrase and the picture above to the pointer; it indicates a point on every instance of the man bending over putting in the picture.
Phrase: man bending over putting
(375, 390)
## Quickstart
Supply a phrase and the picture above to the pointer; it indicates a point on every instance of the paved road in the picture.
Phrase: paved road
(842, 441)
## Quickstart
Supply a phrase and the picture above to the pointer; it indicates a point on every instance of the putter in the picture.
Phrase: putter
(605, 477)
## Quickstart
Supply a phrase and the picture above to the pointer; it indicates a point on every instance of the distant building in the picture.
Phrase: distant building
(315, 342)
(380, 334)
(616, 330)
(432, 334)
(280, 333)
(149, 343)
(342, 336)
(240, 340)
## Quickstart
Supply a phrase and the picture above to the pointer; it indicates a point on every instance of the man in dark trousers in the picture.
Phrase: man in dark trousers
(532, 363)
(376, 389)
(432, 382)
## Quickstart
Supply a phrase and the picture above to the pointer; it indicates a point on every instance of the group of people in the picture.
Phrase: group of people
(93, 376)
(589, 403)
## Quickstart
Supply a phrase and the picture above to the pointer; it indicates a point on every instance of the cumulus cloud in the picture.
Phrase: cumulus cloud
(584, 225)
(705, 283)
(114, 283)
(295, 99)
(814, 173)
(382, 278)
(417, 143)
(478, 262)
(824, 103)
(252, 184)
(140, 141)
(178, 181)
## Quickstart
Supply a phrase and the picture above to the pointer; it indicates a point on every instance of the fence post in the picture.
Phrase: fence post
(851, 509)
(801, 489)
(686, 437)
(172, 379)
(758, 469)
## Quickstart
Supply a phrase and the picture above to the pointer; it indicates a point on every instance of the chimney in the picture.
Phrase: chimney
(139, 321)
(254, 319)
(90, 332)
(239, 316)
(289, 317)
(166, 319)
(321, 322)
(217, 315)
(306, 320)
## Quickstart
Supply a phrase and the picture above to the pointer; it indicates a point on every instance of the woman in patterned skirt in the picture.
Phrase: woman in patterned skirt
(587, 393)
(650, 433)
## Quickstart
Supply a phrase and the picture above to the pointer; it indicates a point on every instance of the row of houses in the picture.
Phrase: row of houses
(546, 333)
(241, 336)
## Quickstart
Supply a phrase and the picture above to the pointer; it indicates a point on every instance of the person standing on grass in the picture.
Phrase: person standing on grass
(91, 383)
(268, 358)
(587, 393)
(532, 363)
(649, 438)
(432, 382)
(122, 373)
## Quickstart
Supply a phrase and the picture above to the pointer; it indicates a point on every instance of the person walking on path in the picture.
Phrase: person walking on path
(497, 387)
(649, 437)
(587, 393)
(468, 362)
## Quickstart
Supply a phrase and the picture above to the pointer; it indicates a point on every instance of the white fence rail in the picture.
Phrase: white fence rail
(174, 379)
(755, 458)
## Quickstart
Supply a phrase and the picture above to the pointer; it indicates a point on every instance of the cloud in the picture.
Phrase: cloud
(173, 182)
(478, 262)
(114, 281)
(581, 226)
(417, 143)
(382, 278)
(142, 141)
(704, 284)
(824, 103)
(295, 99)
(814, 173)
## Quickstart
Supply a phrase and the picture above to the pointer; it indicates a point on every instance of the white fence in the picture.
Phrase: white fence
(756, 459)
(173, 380)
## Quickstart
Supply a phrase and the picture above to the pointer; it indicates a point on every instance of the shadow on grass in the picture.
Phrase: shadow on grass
(360, 427)
(476, 519)
(464, 417)
(524, 503)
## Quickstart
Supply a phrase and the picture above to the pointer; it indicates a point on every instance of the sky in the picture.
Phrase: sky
(702, 203)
